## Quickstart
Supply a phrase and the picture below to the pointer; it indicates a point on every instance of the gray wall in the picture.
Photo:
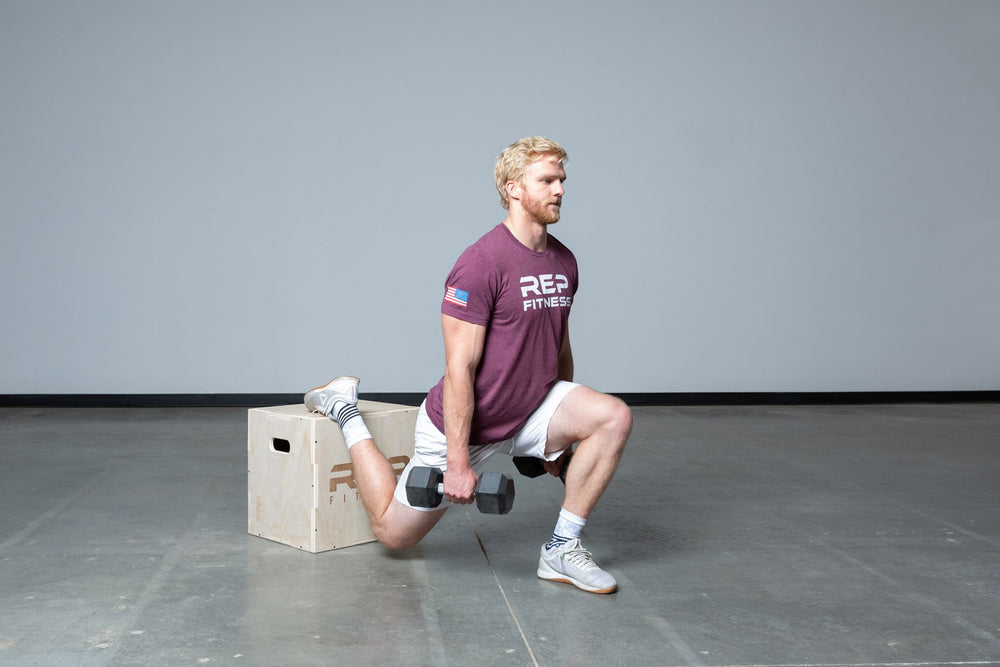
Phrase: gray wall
(252, 196)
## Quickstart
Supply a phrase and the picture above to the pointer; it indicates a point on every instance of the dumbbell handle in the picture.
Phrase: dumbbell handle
(497, 501)
(440, 489)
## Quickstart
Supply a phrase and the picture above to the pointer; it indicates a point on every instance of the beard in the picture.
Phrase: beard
(542, 210)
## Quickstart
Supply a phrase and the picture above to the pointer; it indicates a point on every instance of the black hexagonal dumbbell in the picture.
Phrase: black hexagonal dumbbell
(529, 466)
(494, 493)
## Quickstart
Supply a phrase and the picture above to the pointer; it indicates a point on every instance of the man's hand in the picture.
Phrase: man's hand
(460, 484)
(554, 467)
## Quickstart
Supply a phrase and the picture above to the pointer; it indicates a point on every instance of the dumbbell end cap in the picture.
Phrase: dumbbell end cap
(499, 493)
(422, 487)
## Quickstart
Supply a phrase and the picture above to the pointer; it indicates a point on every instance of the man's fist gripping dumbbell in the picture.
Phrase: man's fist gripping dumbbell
(494, 494)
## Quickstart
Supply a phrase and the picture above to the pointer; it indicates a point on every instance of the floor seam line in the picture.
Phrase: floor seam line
(503, 593)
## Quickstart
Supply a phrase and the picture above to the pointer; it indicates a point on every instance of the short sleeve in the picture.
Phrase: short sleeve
(470, 289)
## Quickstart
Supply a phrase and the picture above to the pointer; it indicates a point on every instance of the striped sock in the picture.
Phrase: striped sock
(568, 527)
(351, 423)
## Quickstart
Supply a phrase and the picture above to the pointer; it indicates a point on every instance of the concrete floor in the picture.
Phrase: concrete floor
(863, 535)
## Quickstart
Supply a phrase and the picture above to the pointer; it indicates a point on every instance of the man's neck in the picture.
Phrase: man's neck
(532, 235)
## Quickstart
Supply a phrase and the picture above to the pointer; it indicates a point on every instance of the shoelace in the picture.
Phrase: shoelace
(580, 557)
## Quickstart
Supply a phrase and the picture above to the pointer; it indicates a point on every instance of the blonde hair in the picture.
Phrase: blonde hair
(515, 159)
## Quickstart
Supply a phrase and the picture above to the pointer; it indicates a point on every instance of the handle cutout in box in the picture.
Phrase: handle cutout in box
(281, 445)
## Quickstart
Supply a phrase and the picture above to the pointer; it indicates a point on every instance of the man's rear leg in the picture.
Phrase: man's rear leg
(395, 525)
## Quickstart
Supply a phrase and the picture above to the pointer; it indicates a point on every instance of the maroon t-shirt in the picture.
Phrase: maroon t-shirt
(523, 298)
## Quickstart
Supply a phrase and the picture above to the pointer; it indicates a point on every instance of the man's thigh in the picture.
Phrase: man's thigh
(532, 439)
(579, 415)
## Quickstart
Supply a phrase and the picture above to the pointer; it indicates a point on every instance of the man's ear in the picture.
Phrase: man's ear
(513, 189)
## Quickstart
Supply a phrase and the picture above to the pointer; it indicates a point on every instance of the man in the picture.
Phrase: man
(507, 385)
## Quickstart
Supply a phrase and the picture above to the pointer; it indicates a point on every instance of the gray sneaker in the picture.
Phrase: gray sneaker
(321, 399)
(572, 564)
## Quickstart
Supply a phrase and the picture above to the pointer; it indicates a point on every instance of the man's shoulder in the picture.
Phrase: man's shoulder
(560, 250)
(482, 252)
(492, 239)
(489, 244)
(558, 245)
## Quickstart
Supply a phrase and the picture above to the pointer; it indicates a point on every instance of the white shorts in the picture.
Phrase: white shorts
(431, 446)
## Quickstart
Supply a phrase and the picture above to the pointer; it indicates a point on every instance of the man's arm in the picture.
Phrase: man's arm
(566, 358)
(463, 348)
(565, 373)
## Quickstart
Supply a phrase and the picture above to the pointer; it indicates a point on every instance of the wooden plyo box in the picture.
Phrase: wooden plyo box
(300, 483)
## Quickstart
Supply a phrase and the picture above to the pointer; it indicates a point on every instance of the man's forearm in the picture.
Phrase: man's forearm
(566, 366)
(566, 370)
(459, 402)
(565, 360)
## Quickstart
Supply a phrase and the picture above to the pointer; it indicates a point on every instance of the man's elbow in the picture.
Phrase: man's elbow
(460, 373)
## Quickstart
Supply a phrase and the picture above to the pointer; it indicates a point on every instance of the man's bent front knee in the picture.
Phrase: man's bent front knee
(402, 527)
(620, 420)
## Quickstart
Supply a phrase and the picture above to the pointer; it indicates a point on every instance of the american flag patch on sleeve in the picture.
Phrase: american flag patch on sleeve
(459, 297)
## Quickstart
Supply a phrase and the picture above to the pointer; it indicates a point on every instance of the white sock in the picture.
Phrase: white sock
(568, 527)
(351, 423)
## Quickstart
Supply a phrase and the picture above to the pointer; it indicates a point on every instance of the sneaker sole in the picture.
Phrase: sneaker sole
(547, 573)
(324, 386)
(305, 396)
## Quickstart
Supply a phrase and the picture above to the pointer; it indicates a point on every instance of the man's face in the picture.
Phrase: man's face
(541, 189)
